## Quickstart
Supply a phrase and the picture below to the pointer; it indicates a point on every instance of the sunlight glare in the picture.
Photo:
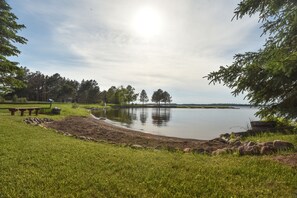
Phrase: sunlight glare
(147, 22)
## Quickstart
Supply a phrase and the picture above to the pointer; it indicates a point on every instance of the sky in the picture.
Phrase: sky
(149, 44)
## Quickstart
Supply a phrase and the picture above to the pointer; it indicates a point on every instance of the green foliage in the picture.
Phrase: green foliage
(22, 100)
(2, 99)
(14, 98)
(41, 87)
(161, 96)
(283, 122)
(9, 71)
(38, 162)
(121, 95)
(166, 98)
(268, 76)
(88, 91)
(157, 96)
(75, 105)
(143, 97)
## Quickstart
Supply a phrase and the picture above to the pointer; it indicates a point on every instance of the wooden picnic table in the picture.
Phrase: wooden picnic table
(23, 109)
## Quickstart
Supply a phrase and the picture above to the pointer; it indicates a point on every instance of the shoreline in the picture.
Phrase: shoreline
(96, 129)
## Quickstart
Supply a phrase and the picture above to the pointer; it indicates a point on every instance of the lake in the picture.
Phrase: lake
(203, 124)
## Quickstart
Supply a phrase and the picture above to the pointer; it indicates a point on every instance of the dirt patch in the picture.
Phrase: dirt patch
(99, 130)
(290, 160)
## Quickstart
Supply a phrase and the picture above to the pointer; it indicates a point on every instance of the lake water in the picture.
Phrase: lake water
(203, 124)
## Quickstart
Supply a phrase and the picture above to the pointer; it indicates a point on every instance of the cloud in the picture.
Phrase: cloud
(95, 37)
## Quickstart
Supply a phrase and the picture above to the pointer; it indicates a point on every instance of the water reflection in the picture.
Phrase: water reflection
(143, 116)
(185, 123)
(160, 116)
(126, 116)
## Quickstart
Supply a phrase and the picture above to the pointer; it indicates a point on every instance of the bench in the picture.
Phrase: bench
(22, 110)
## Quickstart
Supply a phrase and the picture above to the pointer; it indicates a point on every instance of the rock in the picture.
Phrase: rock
(136, 146)
(222, 151)
(225, 136)
(187, 150)
(266, 144)
(241, 150)
(253, 150)
(282, 145)
(267, 150)
(82, 137)
(249, 144)
(249, 150)
(236, 143)
(37, 121)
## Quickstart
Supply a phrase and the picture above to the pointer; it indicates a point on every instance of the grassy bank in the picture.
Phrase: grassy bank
(38, 162)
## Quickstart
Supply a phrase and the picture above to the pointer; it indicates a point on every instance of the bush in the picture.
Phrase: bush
(2, 99)
(14, 98)
(75, 105)
(22, 100)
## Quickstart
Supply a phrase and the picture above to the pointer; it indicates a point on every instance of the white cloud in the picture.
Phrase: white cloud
(197, 37)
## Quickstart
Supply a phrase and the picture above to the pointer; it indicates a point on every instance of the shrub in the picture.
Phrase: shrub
(14, 98)
(2, 99)
(22, 100)
(75, 105)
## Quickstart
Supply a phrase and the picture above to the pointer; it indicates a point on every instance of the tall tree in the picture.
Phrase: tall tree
(110, 95)
(143, 97)
(166, 98)
(36, 86)
(88, 91)
(130, 94)
(157, 96)
(9, 70)
(268, 77)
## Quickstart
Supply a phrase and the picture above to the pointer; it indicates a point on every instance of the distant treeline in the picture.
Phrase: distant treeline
(218, 104)
(40, 87)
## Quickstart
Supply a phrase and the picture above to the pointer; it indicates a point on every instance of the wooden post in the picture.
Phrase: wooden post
(36, 111)
(30, 111)
(12, 111)
(22, 111)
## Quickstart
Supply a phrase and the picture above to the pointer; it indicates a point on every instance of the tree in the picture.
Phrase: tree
(268, 77)
(143, 97)
(157, 96)
(130, 95)
(166, 98)
(110, 95)
(8, 37)
(88, 91)
(103, 97)
(121, 95)
(36, 86)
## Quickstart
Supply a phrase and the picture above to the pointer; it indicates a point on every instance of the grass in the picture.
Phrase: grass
(38, 162)
(67, 109)
(271, 136)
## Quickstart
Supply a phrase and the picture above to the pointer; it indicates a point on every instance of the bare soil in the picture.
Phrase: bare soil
(290, 160)
(99, 130)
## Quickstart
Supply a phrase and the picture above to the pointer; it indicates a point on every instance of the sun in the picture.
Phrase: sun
(147, 22)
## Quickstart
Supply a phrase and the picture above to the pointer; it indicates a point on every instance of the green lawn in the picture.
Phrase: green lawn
(38, 162)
